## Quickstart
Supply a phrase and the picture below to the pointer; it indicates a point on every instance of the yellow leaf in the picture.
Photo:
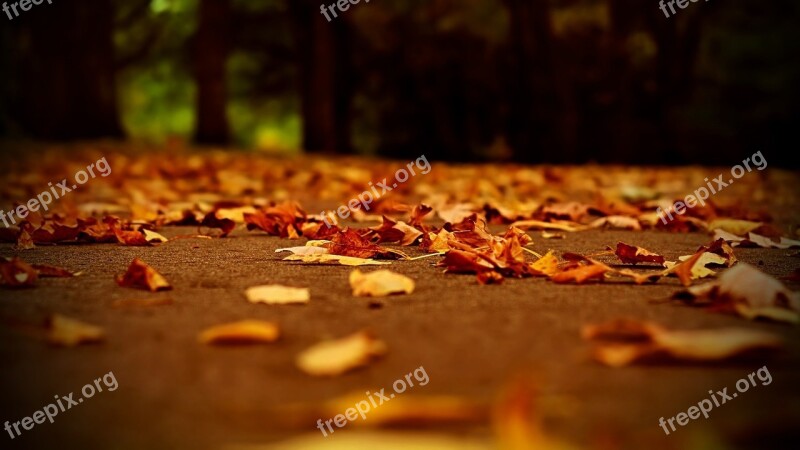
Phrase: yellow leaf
(737, 227)
(330, 358)
(380, 283)
(70, 332)
(336, 259)
(275, 294)
(243, 332)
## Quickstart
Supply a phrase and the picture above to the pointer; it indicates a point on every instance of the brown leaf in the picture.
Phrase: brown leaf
(592, 271)
(142, 276)
(46, 270)
(396, 231)
(630, 254)
(490, 277)
(282, 220)
(349, 243)
(16, 273)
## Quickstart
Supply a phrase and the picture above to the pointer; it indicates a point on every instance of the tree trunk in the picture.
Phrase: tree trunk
(211, 48)
(324, 85)
(64, 67)
(533, 123)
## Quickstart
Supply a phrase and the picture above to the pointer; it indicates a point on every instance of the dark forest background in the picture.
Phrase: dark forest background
(461, 80)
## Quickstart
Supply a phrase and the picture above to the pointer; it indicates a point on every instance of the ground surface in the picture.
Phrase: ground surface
(472, 340)
(176, 393)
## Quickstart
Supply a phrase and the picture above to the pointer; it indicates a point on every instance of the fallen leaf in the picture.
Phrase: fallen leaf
(733, 226)
(242, 332)
(277, 295)
(304, 250)
(490, 277)
(331, 358)
(540, 225)
(70, 332)
(749, 292)
(630, 254)
(546, 265)
(623, 342)
(349, 243)
(335, 259)
(46, 270)
(380, 283)
(16, 273)
(142, 276)
(152, 236)
(617, 222)
(592, 271)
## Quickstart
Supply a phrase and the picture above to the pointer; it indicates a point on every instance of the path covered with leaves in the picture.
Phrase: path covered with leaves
(548, 306)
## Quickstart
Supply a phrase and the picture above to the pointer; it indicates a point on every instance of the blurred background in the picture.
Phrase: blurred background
(555, 81)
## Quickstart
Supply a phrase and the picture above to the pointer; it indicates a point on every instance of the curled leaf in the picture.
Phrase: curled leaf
(142, 276)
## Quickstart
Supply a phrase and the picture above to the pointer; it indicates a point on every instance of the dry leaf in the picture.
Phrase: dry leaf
(750, 293)
(275, 294)
(630, 254)
(540, 225)
(16, 273)
(152, 236)
(546, 265)
(46, 270)
(733, 226)
(242, 332)
(380, 283)
(617, 222)
(622, 342)
(305, 250)
(331, 358)
(70, 332)
(490, 277)
(592, 271)
(142, 276)
(335, 259)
